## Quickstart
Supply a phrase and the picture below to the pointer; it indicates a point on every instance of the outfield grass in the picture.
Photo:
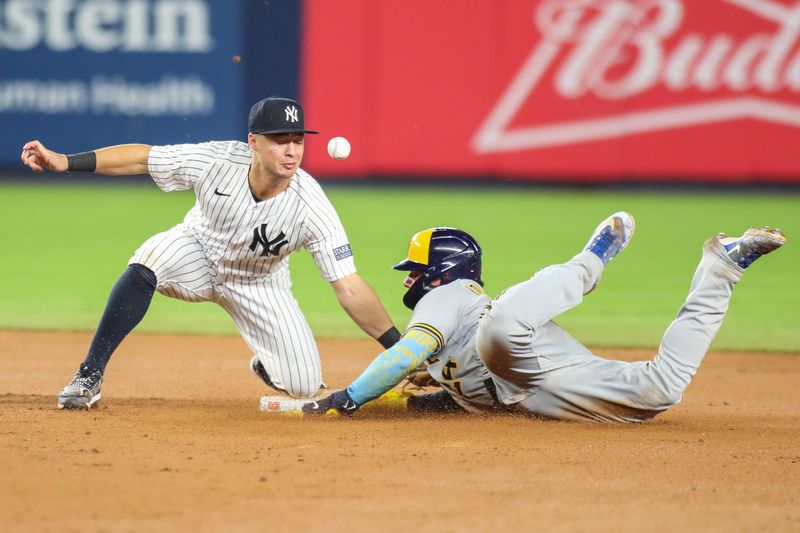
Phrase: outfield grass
(64, 246)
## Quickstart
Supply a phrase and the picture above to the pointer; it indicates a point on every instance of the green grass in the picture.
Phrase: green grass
(64, 247)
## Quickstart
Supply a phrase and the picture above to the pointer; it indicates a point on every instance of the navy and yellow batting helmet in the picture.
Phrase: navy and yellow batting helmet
(447, 254)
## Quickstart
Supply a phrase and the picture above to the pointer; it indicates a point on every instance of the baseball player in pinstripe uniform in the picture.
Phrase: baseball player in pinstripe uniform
(255, 206)
(508, 354)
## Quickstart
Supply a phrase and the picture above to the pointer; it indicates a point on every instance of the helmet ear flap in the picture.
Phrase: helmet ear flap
(415, 293)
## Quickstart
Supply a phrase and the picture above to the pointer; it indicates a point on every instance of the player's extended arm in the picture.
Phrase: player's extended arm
(120, 160)
(385, 371)
(361, 303)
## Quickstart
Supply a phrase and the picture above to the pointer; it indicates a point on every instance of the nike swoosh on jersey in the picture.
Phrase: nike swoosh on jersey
(218, 193)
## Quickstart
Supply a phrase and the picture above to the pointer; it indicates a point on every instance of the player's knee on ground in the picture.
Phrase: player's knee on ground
(656, 394)
(300, 387)
(302, 392)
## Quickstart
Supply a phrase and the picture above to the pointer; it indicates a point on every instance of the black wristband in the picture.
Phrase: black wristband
(389, 338)
(82, 162)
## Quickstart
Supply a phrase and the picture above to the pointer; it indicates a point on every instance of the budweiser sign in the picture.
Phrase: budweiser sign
(558, 90)
(644, 53)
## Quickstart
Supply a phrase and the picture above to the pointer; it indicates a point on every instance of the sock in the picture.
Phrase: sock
(127, 304)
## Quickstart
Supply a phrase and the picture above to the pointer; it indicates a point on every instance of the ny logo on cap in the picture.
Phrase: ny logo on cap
(291, 113)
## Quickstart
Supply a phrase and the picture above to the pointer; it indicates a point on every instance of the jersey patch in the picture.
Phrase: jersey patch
(342, 252)
(474, 287)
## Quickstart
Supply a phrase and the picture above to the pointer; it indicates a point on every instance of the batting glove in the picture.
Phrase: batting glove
(339, 400)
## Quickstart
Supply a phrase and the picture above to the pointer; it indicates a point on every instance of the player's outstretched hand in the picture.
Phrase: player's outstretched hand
(339, 400)
(38, 158)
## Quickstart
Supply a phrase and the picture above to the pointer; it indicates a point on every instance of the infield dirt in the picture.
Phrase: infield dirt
(179, 444)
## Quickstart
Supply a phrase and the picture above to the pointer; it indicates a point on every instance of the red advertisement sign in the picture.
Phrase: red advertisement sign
(592, 90)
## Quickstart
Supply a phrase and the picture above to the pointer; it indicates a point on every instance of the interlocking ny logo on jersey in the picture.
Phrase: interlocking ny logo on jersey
(291, 113)
(271, 246)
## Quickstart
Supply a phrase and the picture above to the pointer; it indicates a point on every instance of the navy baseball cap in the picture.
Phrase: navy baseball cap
(277, 115)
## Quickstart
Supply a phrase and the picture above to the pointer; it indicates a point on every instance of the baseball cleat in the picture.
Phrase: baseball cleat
(611, 236)
(752, 245)
(83, 391)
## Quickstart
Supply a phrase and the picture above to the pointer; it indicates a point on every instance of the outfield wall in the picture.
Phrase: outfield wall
(551, 90)
(593, 90)
(80, 74)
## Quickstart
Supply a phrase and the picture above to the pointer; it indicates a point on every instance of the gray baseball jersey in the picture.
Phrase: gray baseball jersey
(538, 368)
(450, 313)
(234, 251)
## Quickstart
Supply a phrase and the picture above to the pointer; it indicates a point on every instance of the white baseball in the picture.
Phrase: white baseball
(339, 148)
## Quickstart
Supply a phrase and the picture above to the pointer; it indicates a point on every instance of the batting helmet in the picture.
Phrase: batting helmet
(447, 254)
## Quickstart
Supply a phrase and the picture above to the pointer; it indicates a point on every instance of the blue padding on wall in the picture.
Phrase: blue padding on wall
(80, 75)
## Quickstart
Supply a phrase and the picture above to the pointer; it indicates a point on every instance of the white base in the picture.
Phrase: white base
(282, 404)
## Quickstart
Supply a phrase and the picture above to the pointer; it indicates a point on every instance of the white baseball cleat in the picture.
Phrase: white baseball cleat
(611, 236)
(751, 245)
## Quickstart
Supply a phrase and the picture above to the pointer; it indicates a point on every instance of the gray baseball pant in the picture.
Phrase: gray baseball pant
(539, 369)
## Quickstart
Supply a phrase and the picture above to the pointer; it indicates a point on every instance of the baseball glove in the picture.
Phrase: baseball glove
(419, 378)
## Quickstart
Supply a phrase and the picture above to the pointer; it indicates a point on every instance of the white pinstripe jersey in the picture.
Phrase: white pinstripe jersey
(244, 238)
